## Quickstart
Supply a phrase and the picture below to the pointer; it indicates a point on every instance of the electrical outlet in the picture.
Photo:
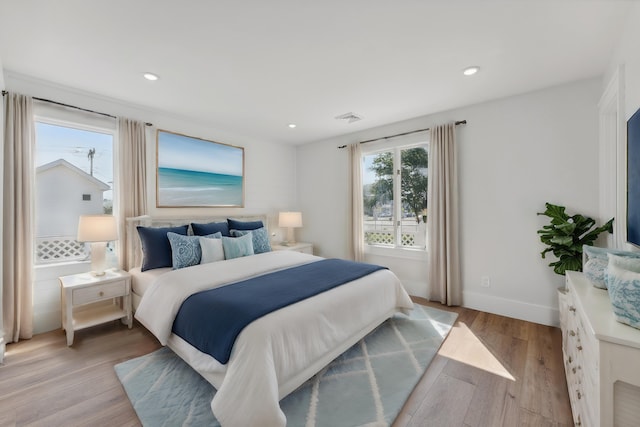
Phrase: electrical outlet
(485, 282)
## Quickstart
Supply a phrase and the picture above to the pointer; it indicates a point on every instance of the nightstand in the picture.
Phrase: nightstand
(85, 300)
(305, 248)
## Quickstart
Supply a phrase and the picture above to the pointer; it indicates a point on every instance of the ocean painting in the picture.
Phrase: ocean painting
(195, 172)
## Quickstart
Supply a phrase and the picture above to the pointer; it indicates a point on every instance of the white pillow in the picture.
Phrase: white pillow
(211, 250)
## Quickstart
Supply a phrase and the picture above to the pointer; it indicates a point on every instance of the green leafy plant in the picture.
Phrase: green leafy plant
(566, 235)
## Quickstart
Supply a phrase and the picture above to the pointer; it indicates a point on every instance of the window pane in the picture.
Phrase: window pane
(74, 176)
(413, 188)
(377, 182)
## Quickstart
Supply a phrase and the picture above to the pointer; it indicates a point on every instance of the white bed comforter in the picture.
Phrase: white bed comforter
(273, 355)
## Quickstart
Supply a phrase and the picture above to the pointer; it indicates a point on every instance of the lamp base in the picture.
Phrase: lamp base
(98, 257)
(291, 240)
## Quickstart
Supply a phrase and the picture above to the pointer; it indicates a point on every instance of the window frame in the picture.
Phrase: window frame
(54, 115)
(396, 146)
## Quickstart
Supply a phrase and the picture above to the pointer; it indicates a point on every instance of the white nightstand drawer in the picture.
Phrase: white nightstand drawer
(99, 292)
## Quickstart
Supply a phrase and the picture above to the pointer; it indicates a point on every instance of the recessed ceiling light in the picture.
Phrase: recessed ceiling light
(150, 76)
(470, 71)
(292, 125)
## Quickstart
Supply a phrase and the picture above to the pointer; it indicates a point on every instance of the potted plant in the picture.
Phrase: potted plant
(565, 236)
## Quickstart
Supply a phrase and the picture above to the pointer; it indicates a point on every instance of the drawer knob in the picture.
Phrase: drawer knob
(579, 394)
(579, 347)
(574, 370)
(572, 333)
(572, 308)
(101, 293)
(570, 359)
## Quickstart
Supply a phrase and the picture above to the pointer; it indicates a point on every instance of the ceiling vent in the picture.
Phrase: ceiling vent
(349, 117)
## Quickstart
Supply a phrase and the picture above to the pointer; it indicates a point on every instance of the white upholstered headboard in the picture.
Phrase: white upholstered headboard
(134, 249)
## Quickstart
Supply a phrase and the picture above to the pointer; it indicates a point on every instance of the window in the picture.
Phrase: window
(395, 196)
(74, 176)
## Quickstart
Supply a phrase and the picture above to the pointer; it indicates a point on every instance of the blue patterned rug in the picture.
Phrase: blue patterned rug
(368, 384)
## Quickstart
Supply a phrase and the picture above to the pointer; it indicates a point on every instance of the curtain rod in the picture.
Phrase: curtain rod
(459, 122)
(4, 92)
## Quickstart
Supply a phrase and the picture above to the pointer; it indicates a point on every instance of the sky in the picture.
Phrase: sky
(368, 176)
(183, 152)
(55, 142)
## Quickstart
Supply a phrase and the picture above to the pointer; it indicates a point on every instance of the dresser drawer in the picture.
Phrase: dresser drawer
(99, 292)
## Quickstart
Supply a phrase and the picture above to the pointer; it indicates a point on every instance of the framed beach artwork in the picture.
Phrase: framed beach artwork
(194, 172)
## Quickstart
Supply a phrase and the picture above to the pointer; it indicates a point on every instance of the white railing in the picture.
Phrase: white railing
(381, 232)
(59, 249)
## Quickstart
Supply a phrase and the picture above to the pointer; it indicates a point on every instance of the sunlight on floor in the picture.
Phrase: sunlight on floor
(463, 346)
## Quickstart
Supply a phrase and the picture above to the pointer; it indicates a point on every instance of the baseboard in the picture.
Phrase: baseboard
(512, 308)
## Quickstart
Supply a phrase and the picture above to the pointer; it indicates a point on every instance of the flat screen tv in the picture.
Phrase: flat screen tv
(633, 179)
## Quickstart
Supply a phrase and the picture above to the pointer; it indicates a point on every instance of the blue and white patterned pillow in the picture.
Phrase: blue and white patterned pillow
(185, 250)
(594, 269)
(624, 292)
(236, 247)
(260, 239)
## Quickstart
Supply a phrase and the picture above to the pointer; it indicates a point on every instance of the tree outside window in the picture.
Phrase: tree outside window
(396, 224)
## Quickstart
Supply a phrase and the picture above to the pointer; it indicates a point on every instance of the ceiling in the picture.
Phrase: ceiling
(252, 67)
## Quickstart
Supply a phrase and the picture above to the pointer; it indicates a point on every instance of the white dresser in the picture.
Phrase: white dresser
(601, 357)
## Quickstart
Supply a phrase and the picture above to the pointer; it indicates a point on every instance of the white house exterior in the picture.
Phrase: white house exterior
(64, 192)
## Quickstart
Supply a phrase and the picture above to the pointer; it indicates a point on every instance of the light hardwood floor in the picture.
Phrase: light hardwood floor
(490, 371)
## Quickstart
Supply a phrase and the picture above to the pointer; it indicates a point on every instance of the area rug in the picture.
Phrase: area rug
(367, 385)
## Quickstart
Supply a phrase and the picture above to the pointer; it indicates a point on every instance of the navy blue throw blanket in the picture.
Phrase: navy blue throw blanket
(211, 320)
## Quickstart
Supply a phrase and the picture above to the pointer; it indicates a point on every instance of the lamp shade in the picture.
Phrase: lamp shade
(97, 228)
(290, 219)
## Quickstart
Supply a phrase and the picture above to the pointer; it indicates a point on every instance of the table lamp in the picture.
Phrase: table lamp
(97, 230)
(290, 220)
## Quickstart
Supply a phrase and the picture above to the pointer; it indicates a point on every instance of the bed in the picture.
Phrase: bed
(276, 353)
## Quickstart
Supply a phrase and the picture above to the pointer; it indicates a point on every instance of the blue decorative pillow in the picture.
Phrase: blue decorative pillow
(210, 228)
(185, 250)
(244, 225)
(235, 247)
(260, 239)
(156, 249)
(624, 292)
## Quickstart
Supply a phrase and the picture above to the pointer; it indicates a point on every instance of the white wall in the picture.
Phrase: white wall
(627, 54)
(515, 154)
(59, 198)
(269, 176)
(2, 87)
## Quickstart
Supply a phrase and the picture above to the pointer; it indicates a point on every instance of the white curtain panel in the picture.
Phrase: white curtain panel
(132, 180)
(442, 225)
(357, 210)
(17, 220)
